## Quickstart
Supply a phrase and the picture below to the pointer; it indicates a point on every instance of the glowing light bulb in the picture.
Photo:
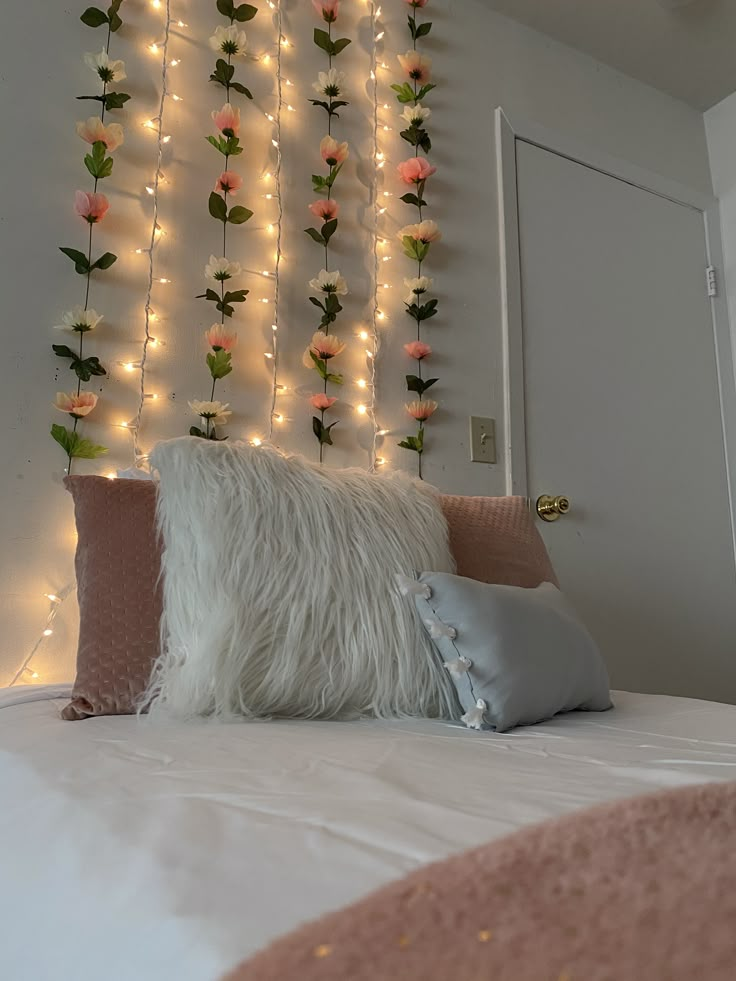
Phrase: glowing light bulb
(380, 461)
(284, 42)
(380, 36)
(265, 272)
(362, 410)
(290, 83)
(149, 124)
(52, 597)
(166, 139)
(174, 62)
(274, 327)
(268, 355)
(153, 48)
(257, 442)
(155, 4)
(363, 335)
(269, 229)
(382, 432)
(266, 59)
(278, 417)
(373, 76)
(35, 675)
(386, 258)
(369, 354)
(290, 108)
(149, 189)
(177, 98)
(267, 176)
(380, 315)
(111, 476)
(47, 632)
(362, 383)
(163, 279)
(275, 143)
(269, 117)
(380, 156)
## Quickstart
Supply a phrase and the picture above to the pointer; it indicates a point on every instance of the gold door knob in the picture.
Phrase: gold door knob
(552, 508)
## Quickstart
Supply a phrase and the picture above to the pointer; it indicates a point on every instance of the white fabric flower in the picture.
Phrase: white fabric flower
(330, 83)
(416, 115)
(329, 282)
(474, 718)
(109, 70)
(417, 287)
(218, 270)
(438, 630)
(216, 412)
(79, 320)
(459, 666)
(411, 587)
(229, 40)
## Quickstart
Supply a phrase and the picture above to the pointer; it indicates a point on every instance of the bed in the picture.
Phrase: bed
(177, 850)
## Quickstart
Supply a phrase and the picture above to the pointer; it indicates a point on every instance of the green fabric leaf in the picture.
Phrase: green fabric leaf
(239, 215)
(94, 17)
(116, 100)
(75, 446)
(194, 431)
(318, 238)
(217, 206)
(415, 384)
(106, 260)
(322, 40)
(425, 90)
(332, 304)
(413, 199)
(236, 296)
(85, 369)
(340, 45)
(239, 87)
(115, 24)
(245, 12)
(328, 230)
(80, 260)
(63, 351)
(415, 443)
(226, 8)
(322, 432)
(316, 302)
(219, 363)
(404, 92)
(423, 30)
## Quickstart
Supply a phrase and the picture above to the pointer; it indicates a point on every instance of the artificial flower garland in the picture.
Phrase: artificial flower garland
(91, 207)
(229, 42)
(329, 286)
(417, 238)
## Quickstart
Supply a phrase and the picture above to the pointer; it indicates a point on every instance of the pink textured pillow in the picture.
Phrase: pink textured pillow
(493, 539)
(118, 567)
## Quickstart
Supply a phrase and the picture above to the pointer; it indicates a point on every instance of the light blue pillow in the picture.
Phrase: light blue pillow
(517, 656)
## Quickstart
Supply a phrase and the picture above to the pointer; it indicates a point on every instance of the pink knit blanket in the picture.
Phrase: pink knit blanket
(640, 890)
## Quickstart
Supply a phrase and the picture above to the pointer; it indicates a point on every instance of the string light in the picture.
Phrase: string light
(380, 160)
(56, 601)
(149, 315)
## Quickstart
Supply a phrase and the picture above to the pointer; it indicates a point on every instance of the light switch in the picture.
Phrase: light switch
(482, 440)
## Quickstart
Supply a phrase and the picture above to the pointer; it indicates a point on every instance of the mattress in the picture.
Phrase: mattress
(130, 850)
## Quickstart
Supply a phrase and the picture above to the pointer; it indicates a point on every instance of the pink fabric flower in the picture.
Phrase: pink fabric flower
(91, 207)
(418, 350)
(416, 169)
(229, 182)
(93, 130)
(220, 338)
(326, 210)
(416, 66)
(333, 152)
(227, 120)
(324, 346)
(424, 231)
(328, 9)
(322, 402)
(421, 411)
(75, 405)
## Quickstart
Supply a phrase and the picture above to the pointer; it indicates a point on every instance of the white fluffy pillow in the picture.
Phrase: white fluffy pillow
(279, 588)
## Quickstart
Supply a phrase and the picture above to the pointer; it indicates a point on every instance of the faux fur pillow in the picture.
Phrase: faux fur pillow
(279, 588)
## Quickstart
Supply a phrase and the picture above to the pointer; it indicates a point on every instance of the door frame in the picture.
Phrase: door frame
(508, 133)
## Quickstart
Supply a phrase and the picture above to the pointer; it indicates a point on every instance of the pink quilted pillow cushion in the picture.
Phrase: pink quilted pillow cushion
(118, 565)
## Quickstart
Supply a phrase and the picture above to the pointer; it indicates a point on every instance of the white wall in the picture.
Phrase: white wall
(481, 60)
(720, 124)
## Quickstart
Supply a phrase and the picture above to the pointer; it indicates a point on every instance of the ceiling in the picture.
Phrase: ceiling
(688, 51)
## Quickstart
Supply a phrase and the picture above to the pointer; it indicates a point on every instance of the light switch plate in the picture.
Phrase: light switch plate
(482, 440)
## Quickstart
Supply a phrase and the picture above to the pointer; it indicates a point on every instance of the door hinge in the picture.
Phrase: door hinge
(712, 280)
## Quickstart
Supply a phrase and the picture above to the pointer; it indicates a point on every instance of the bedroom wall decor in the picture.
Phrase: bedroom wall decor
(328, 284)
(278, 227)
(91, 206)
(417, 238)
(228, 42)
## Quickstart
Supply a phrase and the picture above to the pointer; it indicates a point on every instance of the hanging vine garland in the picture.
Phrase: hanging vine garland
(91, 207)
(230, 42)
(328, 285)
(417, 238)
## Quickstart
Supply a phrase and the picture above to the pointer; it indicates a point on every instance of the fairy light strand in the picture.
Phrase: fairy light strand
(374, 15)
(280, 217)
(161, 140)
(56, 601)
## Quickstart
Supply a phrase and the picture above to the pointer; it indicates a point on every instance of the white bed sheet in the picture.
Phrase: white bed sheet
(132, 851)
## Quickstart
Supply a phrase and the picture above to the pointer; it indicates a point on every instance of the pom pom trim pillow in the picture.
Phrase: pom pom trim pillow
(278, 588)
(516, 656)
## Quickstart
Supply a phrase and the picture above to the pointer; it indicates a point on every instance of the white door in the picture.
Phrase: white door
(623, 415)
